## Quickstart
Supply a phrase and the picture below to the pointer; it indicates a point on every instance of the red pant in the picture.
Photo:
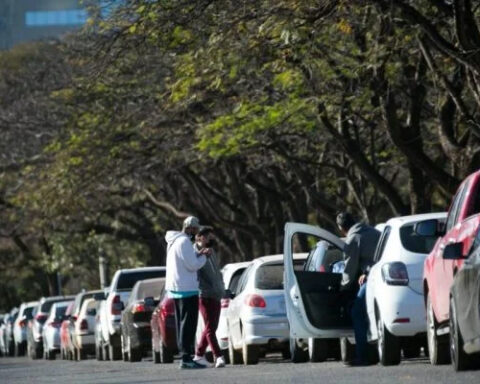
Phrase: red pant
(210, 310)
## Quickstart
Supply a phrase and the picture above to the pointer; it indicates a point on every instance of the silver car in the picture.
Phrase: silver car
(256, 318)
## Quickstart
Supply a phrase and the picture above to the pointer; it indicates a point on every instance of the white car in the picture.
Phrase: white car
(51, 329)
(395, 301)
(20, 327)
(231, 275)
(111, 313)
(256, 317)
(83, 335)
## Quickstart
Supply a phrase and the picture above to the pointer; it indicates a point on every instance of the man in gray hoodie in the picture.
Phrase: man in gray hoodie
(181, 283)
(359, 252)
(212, 290)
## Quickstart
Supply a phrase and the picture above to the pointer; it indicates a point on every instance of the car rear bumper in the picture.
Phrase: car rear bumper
(266, 330)
(403, 312)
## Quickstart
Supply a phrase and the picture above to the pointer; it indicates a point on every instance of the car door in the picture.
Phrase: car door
(316, 307)
(374, 279)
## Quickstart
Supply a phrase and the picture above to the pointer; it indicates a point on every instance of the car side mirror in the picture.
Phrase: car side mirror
(99, 296)
(228, 294)
(149, 301)
(453, 251)
(427, 228)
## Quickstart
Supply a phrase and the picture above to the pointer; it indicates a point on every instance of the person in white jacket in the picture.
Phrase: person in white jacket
(182, 285)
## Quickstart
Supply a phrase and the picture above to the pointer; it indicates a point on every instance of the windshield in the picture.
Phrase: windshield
(416, 243)
(128, 280)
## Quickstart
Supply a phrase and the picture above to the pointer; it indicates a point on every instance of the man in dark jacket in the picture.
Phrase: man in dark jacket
(211, 289)
(361, 242)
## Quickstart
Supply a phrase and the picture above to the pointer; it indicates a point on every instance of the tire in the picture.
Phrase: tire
(124, 350)
(155, 355)
(11, 349)
(166, 356)
(19, 349)
(115, 353)
(461, 361)
(98, 352)
(37, 351)
(106, 355)
(438, 347)
(134, 354)
(388, 345)
(51, 355)
(347, 350)
(249, 354)
(234, 356)
(317, 350)
(297, 353)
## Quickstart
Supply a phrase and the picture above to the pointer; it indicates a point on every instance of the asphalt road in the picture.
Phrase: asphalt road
(270, 370)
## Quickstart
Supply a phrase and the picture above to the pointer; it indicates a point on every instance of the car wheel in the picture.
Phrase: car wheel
(115, 353)
(155, 355)
(234, 355)
(98, 352)
(438, 348)
(37, 351)
(347, 350)
(388, 345)
(249, 353)
(51, 355)
(106, 351)
(460, 360)
(124, 349)
(317, 350)
(297, 353)
(134, 354)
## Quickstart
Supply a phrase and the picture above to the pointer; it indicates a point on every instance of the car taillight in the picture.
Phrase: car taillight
(167, 308)
(114, 308)
(255, 301)
(84, 325)
(225, 303)
(55, 324)
(40, 317)
(395, 273)
(139, 307)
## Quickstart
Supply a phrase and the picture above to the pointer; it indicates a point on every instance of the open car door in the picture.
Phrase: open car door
(316, 307)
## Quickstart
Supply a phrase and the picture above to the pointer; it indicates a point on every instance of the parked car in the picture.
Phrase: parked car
(459, 232)
(51, 329)
(65, 347)
(231, 274)
(83, 333)
(35, 328)
(256, 317)
(20, 327)
(465, 308)
(8, 343)
(322, 258)
(71, 347)
(136, 337)
(110, 315)
(164, 331)
(394, 296)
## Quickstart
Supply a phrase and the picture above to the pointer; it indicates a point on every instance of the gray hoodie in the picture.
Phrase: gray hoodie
(361, 243)
(210, 278)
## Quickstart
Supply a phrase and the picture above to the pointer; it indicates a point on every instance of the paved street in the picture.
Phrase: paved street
(271, 370)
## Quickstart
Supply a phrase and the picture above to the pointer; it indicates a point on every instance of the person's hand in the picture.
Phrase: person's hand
(362, 279)
(206, 251)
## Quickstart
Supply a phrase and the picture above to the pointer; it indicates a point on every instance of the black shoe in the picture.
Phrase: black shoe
(356, 363)
(191, 365)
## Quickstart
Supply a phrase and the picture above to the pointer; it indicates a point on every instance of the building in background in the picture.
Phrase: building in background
(28, 20)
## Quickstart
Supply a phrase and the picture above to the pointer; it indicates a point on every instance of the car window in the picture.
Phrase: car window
(235, 279)
(243, 279)
(382, 243)
(413, 242)
(60, 312)
(474, 203)
(270, 276)
(28, 313)
(127, 280)
(455, 209)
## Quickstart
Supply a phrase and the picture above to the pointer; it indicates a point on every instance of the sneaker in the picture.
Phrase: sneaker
(191, 365)
(201, 360)
(220, 362)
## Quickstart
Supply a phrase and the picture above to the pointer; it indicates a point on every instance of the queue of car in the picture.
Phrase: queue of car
(423, 295)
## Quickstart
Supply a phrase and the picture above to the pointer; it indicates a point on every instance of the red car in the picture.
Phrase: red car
(164, 331)
(439, 270)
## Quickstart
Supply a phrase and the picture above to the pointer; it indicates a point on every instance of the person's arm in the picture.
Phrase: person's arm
(193, 261)
(352, 256)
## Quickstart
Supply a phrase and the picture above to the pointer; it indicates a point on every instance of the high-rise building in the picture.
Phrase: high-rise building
(29, 20)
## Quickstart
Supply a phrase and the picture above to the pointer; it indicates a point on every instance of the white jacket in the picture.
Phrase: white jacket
(182, 263)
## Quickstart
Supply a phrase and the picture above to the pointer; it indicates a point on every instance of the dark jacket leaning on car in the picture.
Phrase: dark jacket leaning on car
(210, 278)
(359, 252)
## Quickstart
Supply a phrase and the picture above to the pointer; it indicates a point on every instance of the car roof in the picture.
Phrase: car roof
(397, 221)
(140, 269)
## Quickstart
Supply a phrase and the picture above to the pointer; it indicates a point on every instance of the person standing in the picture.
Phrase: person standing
(360, 244)
(182, 285)
(212, 290)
